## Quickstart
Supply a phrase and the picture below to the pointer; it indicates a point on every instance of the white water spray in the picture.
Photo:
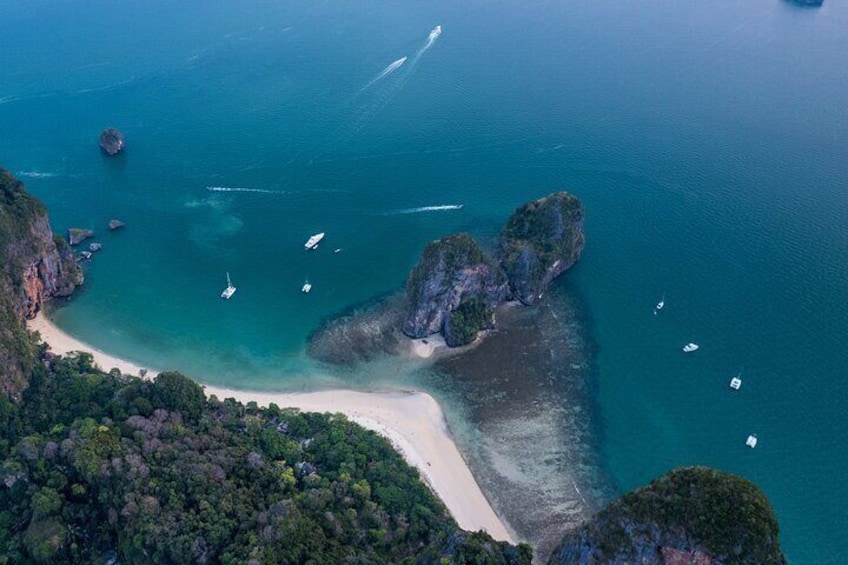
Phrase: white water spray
(241, 189)
(439, 208)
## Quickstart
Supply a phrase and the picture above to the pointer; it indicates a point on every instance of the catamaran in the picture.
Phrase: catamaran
(307, 286)
(690, 347)
(312, 242)
(230, 290)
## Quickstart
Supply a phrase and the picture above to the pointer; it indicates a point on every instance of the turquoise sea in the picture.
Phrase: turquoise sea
(709, 143)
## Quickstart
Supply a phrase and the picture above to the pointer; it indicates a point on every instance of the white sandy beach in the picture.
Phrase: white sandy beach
(412, 421)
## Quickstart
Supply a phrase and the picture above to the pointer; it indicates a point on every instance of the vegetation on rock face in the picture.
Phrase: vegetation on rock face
(18, 212)
(471, 316)
(722, 517)
(540, 240)
(451, 270)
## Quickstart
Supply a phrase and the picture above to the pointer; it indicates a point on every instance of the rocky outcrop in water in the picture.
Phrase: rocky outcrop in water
(116, 224)
(111, 141)
(455, 287)
(691, 515)
(452, 272)
(540, 241)
(78, 235)
(35, 266)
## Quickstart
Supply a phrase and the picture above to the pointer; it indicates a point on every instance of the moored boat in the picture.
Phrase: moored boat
(230, 290)
(690, 347)
(312, 242)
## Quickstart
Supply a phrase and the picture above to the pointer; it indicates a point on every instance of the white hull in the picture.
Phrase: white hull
(230, 290)
(312, 242)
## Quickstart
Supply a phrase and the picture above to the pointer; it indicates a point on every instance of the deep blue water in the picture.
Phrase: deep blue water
(708, 142)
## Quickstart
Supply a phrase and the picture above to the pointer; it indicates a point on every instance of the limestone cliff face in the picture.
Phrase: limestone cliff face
(691, 515)
(49, 268)
(35, 266)
(541, 239)
(450, 270)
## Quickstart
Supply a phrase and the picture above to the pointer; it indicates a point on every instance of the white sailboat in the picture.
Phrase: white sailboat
(660, 305)
(736, 382)
(690, 347)
(307, 286)
(230, 290)
(751, 441)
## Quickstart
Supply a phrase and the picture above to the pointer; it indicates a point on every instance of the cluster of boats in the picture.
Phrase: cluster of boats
(735, 382)
(311, 244)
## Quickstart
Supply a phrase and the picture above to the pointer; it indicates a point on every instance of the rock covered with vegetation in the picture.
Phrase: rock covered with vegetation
(541, 239)
(111, 141)
(455, 287)
(690, 515)
(35, 266)
(453, 274)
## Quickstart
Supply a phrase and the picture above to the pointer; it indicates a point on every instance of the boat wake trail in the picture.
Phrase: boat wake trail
(384, 73)
(440, 208)
(241, 189)
(35, 174)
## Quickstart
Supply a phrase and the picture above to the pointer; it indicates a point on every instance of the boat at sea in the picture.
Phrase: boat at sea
(307, 286)
(660, 305)
(230, 290)
(735, 383)
(690, 347)
(312, 242)
(437, 31)
(751, 441)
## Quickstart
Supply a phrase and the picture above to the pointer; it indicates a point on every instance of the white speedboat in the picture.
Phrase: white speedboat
(751, 441)
(660, 304)
(307, 286)
(690, 347)
(230, 290)
(437, 31)
(312, 242)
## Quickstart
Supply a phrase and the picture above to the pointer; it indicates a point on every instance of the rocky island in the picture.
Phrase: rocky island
(453, 289)
(541, 240)
(111, 141)
(455, 286)
(690, 515)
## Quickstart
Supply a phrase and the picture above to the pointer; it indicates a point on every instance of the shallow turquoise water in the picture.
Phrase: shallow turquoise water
(708, 143)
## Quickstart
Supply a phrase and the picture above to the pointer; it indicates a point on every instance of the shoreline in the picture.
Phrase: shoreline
(412, 421)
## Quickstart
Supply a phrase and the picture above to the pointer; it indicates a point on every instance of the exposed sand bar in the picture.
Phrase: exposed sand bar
(412, 421)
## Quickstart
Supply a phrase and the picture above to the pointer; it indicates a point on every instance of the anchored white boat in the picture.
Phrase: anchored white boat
(736, 383)
(230, 290)
(307, 286)
(751, 441)
(690, 347)
(312, 242)
(660, 305)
